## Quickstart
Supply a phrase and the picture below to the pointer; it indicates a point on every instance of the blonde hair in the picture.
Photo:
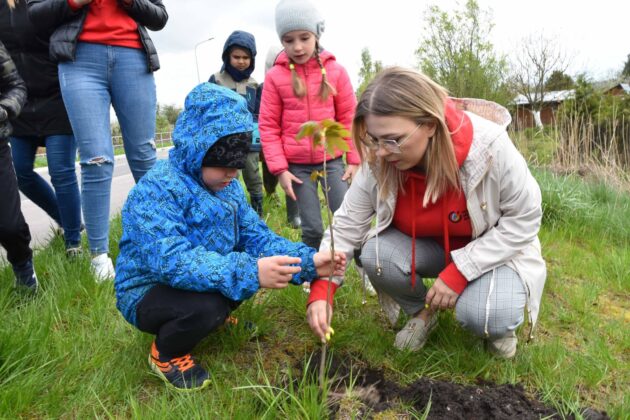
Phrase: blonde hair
(409, 94)
(299, 87)
(12, 3)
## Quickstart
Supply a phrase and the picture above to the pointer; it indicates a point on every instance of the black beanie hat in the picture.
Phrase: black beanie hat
(229, 151)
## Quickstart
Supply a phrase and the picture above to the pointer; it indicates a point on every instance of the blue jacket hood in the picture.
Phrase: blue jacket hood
(210, 112)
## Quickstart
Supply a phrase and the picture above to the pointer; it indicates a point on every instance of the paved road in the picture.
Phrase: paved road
(41, 225)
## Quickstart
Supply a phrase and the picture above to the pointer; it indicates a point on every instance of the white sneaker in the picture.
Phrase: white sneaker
(504, 347)
(103, 268)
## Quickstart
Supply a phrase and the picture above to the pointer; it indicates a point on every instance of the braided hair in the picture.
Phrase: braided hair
(325, 88)
(299, 87)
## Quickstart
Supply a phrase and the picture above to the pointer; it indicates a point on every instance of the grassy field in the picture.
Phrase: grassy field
(68, 352)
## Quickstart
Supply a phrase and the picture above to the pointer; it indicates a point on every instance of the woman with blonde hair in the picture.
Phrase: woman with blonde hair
(453, 200)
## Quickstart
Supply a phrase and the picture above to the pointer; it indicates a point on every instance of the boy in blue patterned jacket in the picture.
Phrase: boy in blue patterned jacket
(192, 248)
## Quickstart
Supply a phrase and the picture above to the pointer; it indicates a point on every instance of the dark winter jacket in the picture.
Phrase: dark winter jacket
(44, 113)
(179, 233)
(12, 93)
(67, 24)
(246, 86)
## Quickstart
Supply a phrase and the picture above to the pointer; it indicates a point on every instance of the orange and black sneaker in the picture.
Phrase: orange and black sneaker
(183, 372)
(231, 321)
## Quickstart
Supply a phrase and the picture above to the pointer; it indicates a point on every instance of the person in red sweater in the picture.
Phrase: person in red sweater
(453, 200)
(105, 58)
(305, 83)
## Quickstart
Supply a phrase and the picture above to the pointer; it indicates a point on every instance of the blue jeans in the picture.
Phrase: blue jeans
(63, 204)
(100, 76)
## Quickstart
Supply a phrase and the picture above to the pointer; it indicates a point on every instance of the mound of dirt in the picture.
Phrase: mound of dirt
(447, 400)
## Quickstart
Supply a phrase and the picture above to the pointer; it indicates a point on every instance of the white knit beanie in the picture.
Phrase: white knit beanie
(298, 15)
(272, 53)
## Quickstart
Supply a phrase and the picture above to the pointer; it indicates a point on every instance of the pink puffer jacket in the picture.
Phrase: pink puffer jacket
(282, 113)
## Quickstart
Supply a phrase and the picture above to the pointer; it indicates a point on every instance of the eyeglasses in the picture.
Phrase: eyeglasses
(391, 145)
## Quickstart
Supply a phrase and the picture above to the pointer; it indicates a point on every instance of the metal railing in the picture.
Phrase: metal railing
(163, 139)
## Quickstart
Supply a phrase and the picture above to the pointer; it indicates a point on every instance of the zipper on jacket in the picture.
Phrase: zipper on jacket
(234, 209)
(308, 106)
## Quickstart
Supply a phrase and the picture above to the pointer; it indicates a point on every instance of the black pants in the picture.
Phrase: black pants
(180, 319)
(14, 233)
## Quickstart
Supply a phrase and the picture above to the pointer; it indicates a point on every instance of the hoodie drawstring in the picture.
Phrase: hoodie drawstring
(445, 233)
(490, 290)
(379, 269)
(447, 240)
(413, 235)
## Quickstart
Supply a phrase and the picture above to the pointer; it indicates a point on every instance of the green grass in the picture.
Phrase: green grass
(68, 353)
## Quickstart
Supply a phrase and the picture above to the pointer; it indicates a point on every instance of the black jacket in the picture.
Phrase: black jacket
(12, 93)
(68, 24)
(44, 113)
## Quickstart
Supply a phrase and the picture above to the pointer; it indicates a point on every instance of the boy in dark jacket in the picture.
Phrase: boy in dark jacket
(14, 233)
(239, 60)
(192, 248)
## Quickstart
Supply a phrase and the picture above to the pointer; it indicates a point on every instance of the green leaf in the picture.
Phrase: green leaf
(337, 132)
(338, 144)
(318, 138)
(315, 175)
(306, 130)
(327, 123)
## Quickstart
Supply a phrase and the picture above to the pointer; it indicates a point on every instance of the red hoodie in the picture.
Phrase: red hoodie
(447, 220)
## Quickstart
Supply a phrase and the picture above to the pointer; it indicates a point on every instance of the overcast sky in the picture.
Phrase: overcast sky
(595, 33)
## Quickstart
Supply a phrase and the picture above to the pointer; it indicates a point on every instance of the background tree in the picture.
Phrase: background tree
(625, 73)
(170, 112)
(165, 119)
(368, 70)
(456, 52)
(559, 80)
(533, 64)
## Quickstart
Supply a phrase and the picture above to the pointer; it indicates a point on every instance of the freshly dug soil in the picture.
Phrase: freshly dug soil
(448, 400)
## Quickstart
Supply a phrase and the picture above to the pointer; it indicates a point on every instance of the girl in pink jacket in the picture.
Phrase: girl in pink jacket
(306, 83)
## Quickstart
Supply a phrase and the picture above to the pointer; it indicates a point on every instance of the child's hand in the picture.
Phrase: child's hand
(351, 171)
(316, 317)
(285, 179)
(276, 272)
(322, 263)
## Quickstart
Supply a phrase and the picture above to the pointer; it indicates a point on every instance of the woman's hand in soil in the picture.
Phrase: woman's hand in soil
(316, 317)
(440, 296)
(276, 272)
(322, 263)
(351, 171)
(286, 179)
